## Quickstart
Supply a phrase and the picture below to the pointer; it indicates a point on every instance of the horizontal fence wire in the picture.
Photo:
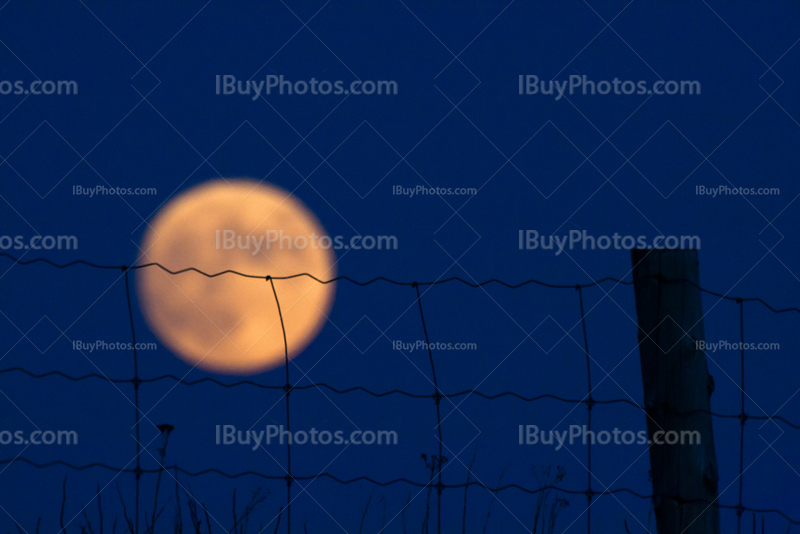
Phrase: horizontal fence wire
(394, 282)
(437, 395)
(378, 394)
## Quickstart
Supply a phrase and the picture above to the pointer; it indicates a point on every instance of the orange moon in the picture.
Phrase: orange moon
(230, 324)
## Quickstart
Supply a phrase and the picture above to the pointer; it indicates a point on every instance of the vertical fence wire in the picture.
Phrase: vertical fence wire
(136, 383)
(287, 389)
(589, 405)
(437, 397)
(742, 419)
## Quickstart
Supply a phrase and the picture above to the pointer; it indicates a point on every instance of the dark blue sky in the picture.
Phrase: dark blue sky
(147, 116)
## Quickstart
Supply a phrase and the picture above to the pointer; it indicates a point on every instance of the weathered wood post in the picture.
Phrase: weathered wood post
(677, 390)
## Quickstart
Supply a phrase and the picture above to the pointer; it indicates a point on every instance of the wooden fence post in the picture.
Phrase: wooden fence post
(677, 390)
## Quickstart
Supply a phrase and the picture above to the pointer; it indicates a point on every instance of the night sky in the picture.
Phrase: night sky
(147, 114)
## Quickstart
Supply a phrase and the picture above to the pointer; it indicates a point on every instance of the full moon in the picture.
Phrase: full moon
(230, 324)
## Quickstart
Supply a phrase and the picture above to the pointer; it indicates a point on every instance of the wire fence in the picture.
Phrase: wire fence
(436, 396)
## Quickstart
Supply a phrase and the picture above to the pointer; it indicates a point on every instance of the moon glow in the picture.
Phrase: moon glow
(230, 324)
